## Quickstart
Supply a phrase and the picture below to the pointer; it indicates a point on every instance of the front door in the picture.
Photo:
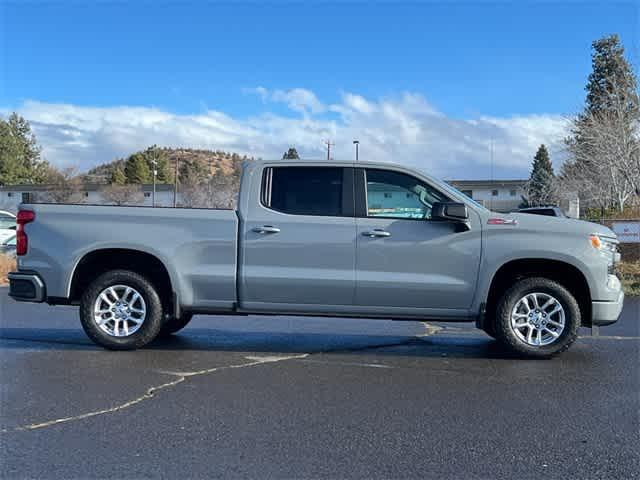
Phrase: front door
(299, 241)
(405, 261)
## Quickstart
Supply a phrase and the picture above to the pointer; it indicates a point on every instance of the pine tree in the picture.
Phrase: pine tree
(137, 170)
(20, 160)
(162, 166)
(193, 172)
(611, 78)
(291, 154)
(540, 188)
(118, 177)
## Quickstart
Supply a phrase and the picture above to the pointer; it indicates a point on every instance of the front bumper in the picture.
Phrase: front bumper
(606, 313)
(26, 287)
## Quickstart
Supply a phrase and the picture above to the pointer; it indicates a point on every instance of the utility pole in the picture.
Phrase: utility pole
(329, 145)
(356, 143)
(175, 186)
(155, 174)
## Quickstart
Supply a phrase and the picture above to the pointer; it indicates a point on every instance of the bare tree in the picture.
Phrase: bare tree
(223, 194)
(211, 193)
(65, 187)
(604, 163)
(193, 194)
(122, 194)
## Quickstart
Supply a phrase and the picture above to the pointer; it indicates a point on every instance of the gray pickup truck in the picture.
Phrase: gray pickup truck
(322, 238)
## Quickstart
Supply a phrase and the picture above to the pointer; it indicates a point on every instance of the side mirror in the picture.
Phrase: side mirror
(452, 212)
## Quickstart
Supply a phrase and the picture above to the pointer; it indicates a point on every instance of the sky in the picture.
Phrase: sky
(427, 84)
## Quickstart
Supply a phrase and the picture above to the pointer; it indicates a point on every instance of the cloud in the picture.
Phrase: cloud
(297, 99)
(405, 128)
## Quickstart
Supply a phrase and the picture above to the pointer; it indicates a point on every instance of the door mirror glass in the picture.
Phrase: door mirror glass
(452, 211)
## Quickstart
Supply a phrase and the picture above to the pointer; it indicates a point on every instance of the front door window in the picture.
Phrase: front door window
(397, 195)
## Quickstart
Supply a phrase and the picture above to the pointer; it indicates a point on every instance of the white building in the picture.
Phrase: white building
(496, 195)
(11, 196)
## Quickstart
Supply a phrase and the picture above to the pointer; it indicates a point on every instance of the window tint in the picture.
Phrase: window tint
(304, 190)
(414, 198)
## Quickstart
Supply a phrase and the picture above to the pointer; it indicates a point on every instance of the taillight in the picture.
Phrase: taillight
(22, 242)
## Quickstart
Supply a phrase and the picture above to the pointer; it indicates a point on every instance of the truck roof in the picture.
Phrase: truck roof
(252, 165)
(340, 163)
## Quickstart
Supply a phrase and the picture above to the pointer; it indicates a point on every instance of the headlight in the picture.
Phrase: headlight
(604, 244)
(608, 247)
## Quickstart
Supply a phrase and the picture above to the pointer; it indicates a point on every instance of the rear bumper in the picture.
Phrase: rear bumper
(606, 313)
(26, 287)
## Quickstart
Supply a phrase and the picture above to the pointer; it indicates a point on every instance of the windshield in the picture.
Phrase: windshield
(451, 189)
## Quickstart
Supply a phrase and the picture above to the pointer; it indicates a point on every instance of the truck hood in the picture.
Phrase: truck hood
(544, 224)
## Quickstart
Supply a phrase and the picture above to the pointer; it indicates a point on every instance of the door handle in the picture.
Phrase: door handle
(266, 229)
(376, 232)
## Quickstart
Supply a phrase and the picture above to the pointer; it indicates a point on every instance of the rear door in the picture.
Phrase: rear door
(406, 262)
(298, 241)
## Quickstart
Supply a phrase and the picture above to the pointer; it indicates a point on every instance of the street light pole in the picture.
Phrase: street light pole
(356, 143)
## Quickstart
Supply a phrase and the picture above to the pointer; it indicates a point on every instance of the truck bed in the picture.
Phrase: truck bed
(198, 246)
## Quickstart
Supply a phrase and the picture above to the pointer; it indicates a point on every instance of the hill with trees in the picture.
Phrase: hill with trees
(138, 167)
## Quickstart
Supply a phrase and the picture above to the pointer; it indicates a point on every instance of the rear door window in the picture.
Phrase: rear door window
(304, 190)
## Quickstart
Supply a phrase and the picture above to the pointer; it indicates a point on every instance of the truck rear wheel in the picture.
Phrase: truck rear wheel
(537, 317)
(174, 324)
(121, 310)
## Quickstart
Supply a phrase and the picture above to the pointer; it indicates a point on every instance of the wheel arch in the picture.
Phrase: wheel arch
(99, 261)
(566, 274)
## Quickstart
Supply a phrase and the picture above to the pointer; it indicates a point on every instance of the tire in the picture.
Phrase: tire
(174, 325)
(511, 308)
(132, 329)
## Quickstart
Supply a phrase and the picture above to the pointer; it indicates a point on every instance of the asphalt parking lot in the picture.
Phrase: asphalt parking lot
(306, 397)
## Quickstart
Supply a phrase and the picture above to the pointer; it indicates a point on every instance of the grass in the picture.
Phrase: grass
(629, 273)
(7, 264)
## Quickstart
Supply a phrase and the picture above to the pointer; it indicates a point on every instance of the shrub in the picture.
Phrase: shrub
(630, 276)
(7, 264)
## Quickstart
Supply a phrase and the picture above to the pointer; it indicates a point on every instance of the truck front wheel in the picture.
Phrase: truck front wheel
(537, 317)
(121, 310)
